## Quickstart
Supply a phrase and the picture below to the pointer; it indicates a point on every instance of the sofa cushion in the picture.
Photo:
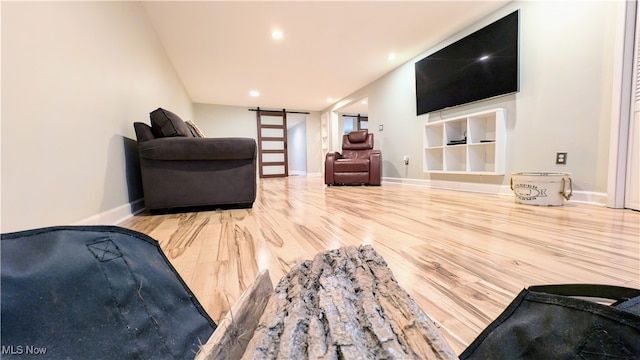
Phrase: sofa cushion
(193, 149)
(164, 123)
(194, 129)
(143, 132)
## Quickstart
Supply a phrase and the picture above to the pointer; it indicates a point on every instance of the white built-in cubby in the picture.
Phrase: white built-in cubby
(469, 144)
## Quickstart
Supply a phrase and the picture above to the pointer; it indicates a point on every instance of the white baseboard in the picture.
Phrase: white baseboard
(114, 216)
(303, 173)
(590, 197)
(121, 213)
(451, 185)
(587, 197)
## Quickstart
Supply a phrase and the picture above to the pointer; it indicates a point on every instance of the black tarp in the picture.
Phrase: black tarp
(95, 292)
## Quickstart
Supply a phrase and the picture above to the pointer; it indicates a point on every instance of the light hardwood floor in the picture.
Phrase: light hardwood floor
(462, 256)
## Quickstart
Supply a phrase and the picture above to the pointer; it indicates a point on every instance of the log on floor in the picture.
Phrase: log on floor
(345, 304)
(230, 339)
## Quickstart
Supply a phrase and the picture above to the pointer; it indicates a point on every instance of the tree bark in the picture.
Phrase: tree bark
(345, 304)
(232, 335)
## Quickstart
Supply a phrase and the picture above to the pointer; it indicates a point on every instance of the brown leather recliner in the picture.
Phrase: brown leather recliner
(359, 163)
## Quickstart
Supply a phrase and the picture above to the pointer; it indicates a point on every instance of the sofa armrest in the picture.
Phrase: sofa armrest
(190, 148)
(375, 167)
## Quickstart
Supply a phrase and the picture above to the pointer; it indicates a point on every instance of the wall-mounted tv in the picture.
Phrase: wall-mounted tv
(479, 66)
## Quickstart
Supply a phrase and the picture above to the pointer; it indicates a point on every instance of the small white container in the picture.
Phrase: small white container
(541, 188)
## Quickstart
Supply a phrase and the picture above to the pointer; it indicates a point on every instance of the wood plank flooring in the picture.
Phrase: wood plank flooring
(462, 256)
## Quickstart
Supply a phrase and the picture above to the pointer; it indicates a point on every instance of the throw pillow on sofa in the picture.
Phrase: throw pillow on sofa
(164, 123)
(195, 130)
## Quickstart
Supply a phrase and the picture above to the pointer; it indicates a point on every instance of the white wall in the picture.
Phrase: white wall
(75, 76)
(297, 145)
(225, 121)
(315, 155)
(564, 104)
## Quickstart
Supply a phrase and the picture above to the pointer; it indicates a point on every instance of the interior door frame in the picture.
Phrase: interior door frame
(632, 174)
(624, 68)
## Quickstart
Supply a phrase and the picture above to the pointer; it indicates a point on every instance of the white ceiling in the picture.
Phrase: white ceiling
(223, 49)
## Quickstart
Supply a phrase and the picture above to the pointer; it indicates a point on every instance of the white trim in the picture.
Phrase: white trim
(124, 212)
(622, 90)
(116, 215)
(451, 185)
(590, 197)
(585, 197)
(304, 174)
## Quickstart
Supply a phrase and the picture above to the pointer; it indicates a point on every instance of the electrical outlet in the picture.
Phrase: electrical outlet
(561, 158)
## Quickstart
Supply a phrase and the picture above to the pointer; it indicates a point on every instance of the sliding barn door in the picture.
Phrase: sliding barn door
(272, 143)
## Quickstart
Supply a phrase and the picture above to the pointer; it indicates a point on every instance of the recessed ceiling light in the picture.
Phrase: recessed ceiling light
(484, 58)
(363, 102)
(329, 99)
(391, 56)
(254, 93)
(276, 34)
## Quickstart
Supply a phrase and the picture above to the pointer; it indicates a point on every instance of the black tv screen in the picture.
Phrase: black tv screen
(479, 66)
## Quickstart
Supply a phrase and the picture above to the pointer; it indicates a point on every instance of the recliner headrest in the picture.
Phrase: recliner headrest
(358, 136)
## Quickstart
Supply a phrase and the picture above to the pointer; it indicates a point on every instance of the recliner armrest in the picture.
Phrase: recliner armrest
(190, 148)
(333, 156)
(330, 158)
(375, 167)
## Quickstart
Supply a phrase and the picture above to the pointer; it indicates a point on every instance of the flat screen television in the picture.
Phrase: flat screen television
(477, 67)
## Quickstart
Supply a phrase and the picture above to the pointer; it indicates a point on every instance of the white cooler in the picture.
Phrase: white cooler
(541, 188)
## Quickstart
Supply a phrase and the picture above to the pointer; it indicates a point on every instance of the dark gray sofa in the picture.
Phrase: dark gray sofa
(180, 170)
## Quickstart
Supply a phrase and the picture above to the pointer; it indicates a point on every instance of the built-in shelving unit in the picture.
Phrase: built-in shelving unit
(324, 133)
(469, 144)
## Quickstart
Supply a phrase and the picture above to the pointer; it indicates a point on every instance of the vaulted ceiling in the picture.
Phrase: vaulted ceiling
(222, 50)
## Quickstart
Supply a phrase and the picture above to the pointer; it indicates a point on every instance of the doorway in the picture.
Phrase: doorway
(297, 144)
(354, 116)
